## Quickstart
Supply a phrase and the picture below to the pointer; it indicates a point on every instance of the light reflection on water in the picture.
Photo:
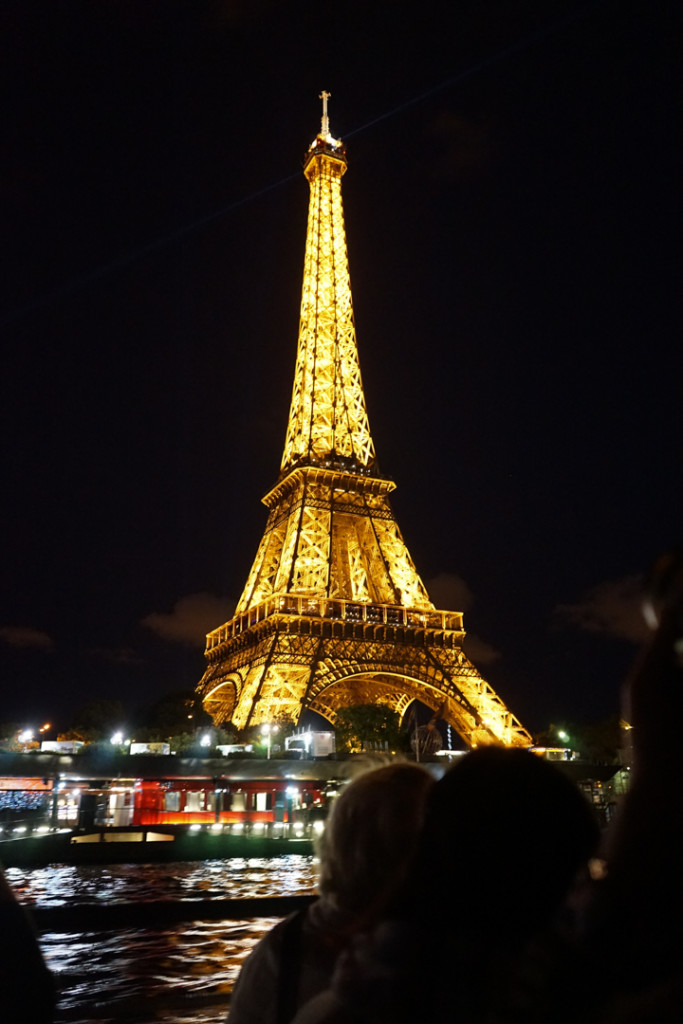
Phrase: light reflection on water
(233, 878)
(179, 975)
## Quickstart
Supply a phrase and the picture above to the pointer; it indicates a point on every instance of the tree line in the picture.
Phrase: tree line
(179, 720)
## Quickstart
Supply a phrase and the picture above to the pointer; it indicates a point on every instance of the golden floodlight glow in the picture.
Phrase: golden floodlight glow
(334, 612)
(327, 415)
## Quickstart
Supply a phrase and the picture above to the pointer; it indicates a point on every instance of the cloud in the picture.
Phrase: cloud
(191, 619)
(479, 651)
(26, 636)
(449, 592)
(117, 656)
(613, 607)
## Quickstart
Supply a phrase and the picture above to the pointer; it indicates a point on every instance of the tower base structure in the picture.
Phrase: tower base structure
(293, 653)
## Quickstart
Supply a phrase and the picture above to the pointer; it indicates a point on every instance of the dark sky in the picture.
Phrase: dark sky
(513, 217)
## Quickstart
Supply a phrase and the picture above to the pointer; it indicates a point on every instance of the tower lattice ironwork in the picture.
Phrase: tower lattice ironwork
(334, 612)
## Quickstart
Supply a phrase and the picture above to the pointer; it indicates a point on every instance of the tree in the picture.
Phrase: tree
(368, 727)
(8, 736)
(98, 719)
(174, 714)
(599, 742)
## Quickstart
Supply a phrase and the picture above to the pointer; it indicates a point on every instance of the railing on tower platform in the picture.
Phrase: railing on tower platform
(298, 606)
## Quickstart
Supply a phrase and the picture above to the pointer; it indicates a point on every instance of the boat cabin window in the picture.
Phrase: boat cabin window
(264, 801)
(194, 800)
(171, 801)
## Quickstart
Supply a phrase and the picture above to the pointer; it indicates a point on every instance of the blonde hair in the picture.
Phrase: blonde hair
(371, 835)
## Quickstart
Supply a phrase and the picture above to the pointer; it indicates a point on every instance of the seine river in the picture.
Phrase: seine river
(181, 974)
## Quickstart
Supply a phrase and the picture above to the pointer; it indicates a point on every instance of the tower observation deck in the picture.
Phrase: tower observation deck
(333, 612)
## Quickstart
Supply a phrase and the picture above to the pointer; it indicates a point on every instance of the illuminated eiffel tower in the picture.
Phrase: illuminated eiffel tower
(334, 613)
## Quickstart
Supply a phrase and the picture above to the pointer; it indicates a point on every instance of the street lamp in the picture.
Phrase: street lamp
(269, 730)
(24, 737)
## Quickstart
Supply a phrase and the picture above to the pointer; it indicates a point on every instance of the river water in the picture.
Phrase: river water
(181, 974)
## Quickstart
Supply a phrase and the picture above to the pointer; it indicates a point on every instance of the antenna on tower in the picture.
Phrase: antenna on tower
(325, 123)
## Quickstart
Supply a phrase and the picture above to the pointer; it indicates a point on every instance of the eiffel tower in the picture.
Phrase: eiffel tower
(334, 613)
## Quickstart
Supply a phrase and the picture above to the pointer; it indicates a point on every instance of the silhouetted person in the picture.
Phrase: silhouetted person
(364, 851)
(27, 989)
(628, 916)
(504, 837)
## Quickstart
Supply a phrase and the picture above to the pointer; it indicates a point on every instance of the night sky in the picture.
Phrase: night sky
(513, 219)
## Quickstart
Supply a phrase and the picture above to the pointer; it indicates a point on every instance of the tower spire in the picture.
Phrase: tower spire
(327, 418)
(325, 123)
